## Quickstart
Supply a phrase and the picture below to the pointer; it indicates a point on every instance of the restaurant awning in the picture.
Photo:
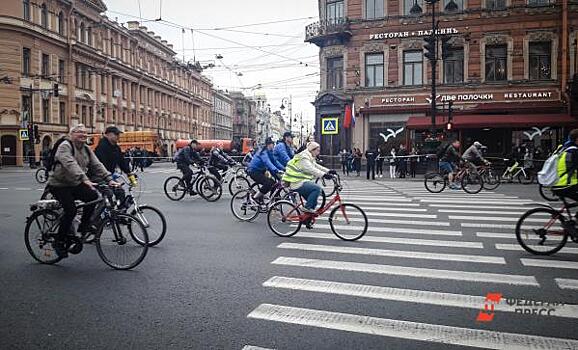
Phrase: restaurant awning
(494, 120)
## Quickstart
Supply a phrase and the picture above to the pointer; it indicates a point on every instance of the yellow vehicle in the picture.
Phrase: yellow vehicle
(148, 140)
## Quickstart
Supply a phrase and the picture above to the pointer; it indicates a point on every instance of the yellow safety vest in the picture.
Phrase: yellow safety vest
(293, 173)
(564, 180)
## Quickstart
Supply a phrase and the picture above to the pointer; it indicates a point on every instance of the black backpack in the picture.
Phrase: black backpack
(51, 162)
(442, 151)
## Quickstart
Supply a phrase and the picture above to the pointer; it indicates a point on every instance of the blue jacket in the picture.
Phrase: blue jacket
(283, 153)
(264, 160)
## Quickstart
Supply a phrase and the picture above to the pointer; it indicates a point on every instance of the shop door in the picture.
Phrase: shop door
(8, 148)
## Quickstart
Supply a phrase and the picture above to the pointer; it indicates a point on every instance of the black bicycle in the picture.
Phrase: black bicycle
(206, 185)
(121, 239)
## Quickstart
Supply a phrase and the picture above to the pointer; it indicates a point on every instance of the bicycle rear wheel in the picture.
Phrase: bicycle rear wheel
(210, 189)
(283, 218)
(39, 237)
(526, 177)
(348, 222)
(41, 175)
(175, 188)
(472, 183)
(238, 183)
(154, 221)
(243, 206)
(540, 231)
(434, 182)
(547, 194)
(122, 242)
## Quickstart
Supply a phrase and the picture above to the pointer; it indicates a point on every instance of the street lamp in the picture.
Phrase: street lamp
(431, 47)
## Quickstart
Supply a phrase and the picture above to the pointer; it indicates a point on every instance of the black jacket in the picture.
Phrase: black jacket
(111, 156)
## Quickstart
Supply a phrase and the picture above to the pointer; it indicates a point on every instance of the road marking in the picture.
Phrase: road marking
(393, 209)
(496, 235)
(394, 253)
(479, 201)
(498, 226)
(397, 240)
(403, 295)
(340, 218)
(3, 188)
(22, 189)
(566, 283)
(516, 247)
(405, 215)
(521, 211)
(409, 271)
(394, 230)
(466, 197)
(380, 200)
(558, 264)
(363, 204)
(408, 330)
(252, 347)
(493, 218)
(514, 207)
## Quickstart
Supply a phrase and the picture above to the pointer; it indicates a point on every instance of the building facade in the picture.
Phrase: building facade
(244, 117)
(105, 74)
(507, 66)
(222, 116)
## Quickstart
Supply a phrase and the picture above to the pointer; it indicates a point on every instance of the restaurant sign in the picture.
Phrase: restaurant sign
(469, 97)
(409, 34)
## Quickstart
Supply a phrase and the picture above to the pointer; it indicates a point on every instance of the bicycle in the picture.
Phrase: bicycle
(471, 181)
(245, 208)
(42, 175)
(207, 186)
(285, 218)
(328, 185)
(524, 175)
(547, 194)
(235, 178)
(491, 180)
(546, 228)
(115, 231)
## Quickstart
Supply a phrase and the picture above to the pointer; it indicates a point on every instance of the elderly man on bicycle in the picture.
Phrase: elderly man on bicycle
(300, 172)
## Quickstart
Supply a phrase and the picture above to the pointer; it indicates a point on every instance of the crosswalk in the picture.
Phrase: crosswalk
(424, 251)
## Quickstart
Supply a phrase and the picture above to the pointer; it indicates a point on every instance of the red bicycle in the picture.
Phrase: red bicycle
(347, 221)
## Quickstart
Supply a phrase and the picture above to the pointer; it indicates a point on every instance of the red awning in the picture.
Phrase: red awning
(488, 121)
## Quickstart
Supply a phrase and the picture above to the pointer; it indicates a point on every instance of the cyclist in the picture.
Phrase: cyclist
(300, 172)
(450, 156)
(185, 157)
(567, 184)
(248, 157)
(219, 160)
(284, 151)
(73, 160)
(264, 161)
(474, 154)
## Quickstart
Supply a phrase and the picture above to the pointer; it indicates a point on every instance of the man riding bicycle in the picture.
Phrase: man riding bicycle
(186, 157)
(264, 161)
(473, 156)
(219, 160)
(447, 164)
(73, 160)
(284, 151)
(567, 184)
(300, 172)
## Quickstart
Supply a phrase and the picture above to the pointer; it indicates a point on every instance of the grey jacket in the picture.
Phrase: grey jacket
(473, 154)
(72, 170)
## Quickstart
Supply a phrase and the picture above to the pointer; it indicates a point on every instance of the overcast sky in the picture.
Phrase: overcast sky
(273, 55)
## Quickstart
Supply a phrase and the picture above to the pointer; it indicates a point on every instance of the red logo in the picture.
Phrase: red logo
(487, 314)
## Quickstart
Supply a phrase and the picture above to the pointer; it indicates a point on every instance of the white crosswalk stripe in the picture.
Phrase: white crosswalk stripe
(399, 240)
(566, 283)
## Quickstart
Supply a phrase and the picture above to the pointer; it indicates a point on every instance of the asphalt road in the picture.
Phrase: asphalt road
(416, 280)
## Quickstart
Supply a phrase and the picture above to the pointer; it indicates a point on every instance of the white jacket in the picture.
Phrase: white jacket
(308, 165)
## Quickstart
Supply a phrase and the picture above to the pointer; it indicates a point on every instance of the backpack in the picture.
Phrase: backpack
(442, 151)
(177, 155)
(51, 161)
(548, 175)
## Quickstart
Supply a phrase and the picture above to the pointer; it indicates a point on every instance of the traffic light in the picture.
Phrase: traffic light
(55, 91)
(446, 46)
(449, 126)
(430, 47)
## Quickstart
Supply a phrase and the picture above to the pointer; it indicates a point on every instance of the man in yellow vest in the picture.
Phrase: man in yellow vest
(567, 184)
(301, 170)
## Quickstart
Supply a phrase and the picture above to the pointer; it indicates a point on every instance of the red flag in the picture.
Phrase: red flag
(347, 119)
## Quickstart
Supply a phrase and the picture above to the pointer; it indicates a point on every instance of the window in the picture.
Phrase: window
(27, 108)
(540, 60)
(83, 78)
(25, 61)
(496, 62)
(408, 4)
(335, 73)
(538, 2)
(496, 4)
(123, 84)
(374, 9)
(61, 71)
(334, 11)
(454, 66)
(45, 65)
(103, 84)
(83, 118)
(45, 113)
(374, 69)
(453, 5)
(89, 36)
(61, 23)
(26, 10)
(62, 113)
(44, 16)
(413, 68)
(81, 33)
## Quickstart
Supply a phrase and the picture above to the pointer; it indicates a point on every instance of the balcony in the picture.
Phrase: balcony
(328, 32)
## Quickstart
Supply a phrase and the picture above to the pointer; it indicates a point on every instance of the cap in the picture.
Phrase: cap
(287, 134)
(269, 141)
(312, 146)
(112, 129)
(478, 145)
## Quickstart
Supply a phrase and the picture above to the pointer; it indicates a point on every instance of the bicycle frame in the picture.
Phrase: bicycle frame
(311, 216)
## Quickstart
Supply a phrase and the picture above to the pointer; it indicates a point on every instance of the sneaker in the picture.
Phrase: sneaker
(193, 193)
(454, 188)
(308, 210)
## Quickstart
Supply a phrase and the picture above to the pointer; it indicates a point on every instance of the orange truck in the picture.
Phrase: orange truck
(148, 140)
(226, 145)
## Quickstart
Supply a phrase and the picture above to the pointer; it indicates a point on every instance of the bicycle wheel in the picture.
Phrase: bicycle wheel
(540, 231)
(526, 177)
(175, 188)
(434, 182)
(238, 183)
(41, 175)
(39, 233)
(327, 185)
(154, 221)
(283, 218)
(472, 183)
(547, 194)
(121, 242)
(243, 206)
(210, 189)
(491, 180)
(348, 222)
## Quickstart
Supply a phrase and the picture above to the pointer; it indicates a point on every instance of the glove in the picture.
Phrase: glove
(132, 180)
(332, 172)
(328, 176)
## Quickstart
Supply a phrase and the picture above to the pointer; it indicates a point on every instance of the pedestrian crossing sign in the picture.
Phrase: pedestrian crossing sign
(329, 126)
(23, 134)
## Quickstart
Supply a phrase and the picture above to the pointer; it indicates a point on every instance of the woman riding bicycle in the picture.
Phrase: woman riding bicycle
(262, 161)
(301, 170)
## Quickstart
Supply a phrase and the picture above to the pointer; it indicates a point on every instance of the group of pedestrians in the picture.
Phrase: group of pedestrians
(399, 161)
(137, 158)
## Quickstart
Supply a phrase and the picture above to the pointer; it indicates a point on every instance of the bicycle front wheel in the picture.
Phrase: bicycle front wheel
(39, 233)
(434, 182)
(328, 185)
(348, 222)
(525, 177)
(547, 194)
(491, 180)
(472, 183)
(122, 242)
(243, 206)
(238, 183)
(540, 231)
(41, 175)
(210, 189)
(175, 188)
(283, 218)
(154, 221)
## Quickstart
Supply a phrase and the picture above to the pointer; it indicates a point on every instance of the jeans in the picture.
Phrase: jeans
(187, 174)
(66, 196)
(310, 191)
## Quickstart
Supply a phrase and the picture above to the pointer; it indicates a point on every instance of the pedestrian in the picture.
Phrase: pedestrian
(44, 157)
(344, 159)
(370, 157)
(413, 162)
(392, 163)
(379, 162)
(350, 159)
(402, 161)
(357, 161)
(138, 159)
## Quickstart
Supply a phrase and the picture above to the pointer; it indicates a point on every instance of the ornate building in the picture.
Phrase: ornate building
(222, 116)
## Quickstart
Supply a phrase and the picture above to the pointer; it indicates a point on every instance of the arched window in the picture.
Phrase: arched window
(89, 35)
(82, 33)
(26, 10)
(60, 23)
(44, 16)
